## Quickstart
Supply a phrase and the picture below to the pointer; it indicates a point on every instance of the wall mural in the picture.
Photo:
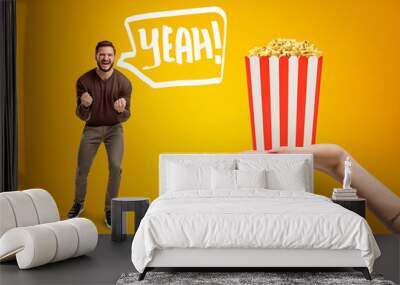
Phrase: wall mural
(198, 89)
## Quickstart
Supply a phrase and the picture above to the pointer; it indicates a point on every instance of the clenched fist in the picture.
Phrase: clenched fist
(86, 99)
(119, 105)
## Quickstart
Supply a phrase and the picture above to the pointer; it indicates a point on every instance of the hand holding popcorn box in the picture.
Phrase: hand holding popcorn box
(283, 85)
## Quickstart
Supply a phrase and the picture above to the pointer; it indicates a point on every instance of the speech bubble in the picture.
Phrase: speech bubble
(177, 48)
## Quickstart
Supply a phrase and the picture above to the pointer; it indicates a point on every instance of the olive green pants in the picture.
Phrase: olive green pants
(92, 137)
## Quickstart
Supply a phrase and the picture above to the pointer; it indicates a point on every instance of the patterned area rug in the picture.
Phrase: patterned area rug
(231, 278)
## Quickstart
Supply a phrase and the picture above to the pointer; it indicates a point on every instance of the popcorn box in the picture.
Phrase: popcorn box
(283, 98)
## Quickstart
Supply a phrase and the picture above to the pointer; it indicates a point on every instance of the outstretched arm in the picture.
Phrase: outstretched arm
(330, 158)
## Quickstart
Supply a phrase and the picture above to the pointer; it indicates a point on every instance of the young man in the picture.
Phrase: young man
(103, 102)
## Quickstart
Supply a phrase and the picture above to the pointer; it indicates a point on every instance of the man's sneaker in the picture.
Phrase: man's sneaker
(107, 218)
(76, 210)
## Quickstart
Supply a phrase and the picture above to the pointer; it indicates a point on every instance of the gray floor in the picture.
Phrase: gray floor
(103, 266)
(110, 260)
(389, 262)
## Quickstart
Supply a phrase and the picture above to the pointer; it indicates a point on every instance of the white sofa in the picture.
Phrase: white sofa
(31, 231)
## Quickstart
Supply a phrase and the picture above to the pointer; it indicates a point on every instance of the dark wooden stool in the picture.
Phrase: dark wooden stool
(119, 207)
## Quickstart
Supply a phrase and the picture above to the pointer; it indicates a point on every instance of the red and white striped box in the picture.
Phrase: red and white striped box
(283, 98)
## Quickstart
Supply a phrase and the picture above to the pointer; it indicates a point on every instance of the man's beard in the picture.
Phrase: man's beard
(102, 69)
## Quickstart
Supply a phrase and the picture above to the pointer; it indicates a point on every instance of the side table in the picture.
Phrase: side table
(119, 207)
(357, 206)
